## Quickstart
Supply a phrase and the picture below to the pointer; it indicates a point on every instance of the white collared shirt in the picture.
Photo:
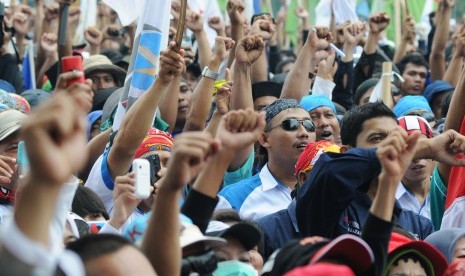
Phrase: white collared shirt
(409, 201)
(255, 197)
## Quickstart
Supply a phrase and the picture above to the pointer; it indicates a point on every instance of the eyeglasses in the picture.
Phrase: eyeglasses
(293, 124)
(428, 116)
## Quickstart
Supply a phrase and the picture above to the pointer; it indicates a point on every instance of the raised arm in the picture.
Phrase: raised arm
(203, 93)
(55, 140)
(237, 130)
(195, 24)
(161, 240)
(21, 24)
(437, 58)
(247, 52)
(454, 120)
(408, 37)
(266, 29)
(139, 117)
(344, 77)
(49, 48)
(222, 100)
(395, 161)
(169, 103)
(94, 38)
(235, 10)
(456, 63)
(378, 22)
(315, 49)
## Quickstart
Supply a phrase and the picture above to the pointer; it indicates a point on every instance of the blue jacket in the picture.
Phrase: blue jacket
(278, 229)
(333, 199)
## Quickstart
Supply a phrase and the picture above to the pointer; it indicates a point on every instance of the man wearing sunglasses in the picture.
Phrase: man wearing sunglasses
(287, 132)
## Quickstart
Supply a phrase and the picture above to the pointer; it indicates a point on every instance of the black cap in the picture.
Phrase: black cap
(266, 88)
(247, 234)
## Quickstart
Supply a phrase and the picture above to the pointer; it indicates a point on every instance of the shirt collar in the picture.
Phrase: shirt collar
(267, 179)
(401, 191)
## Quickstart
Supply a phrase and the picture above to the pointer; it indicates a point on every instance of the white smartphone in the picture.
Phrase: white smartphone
(141, 167)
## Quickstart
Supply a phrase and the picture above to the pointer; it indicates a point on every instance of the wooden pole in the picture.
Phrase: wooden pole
(181, 25)
(386, 94)
(397, 21)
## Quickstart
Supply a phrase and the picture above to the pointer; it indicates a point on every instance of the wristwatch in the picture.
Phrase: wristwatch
(209, 74)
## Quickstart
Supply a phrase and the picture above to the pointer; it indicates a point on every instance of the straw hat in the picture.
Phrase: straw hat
(100, 63)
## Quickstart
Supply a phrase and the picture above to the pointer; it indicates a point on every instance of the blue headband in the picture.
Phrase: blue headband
(409, 103)
(312, 102)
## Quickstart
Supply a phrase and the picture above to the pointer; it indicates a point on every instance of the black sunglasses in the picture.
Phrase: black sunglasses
(293, 124)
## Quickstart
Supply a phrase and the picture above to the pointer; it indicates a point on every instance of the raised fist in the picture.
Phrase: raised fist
(93, 36)
(235, 10)
(194, 21)
(249, 49)
(171, 63)
(216, 23)
(223, 45)
(378, 22)
(21, 23)
(263, 27)
(49, 44)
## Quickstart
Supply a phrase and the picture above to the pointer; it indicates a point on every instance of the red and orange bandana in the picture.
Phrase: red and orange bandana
(153, 141)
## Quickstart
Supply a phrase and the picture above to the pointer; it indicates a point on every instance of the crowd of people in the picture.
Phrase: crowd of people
(266, 157)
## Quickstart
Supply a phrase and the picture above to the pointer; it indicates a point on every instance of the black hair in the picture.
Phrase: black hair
(294, 254)
(228, 215)
(414, 58)
(194, 69)
(281, 64)
(401, 231)
(445, 104)
(412, 256)
(363, 88)
(260, 14)
(352, 122)
(95, 245)
(87, 202)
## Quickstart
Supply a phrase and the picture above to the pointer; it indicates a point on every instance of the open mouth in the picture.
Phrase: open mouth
(301, 145)
(418, 168)
(326, 134)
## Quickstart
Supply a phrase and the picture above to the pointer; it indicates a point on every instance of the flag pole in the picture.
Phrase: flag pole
(397, 21)
(181, 25)
(386, 94)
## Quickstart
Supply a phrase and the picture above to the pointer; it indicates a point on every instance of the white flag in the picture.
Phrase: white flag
(128, 11)
(151, 38)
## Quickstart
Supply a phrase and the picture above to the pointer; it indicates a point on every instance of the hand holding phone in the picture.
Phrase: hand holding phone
(155, 167)
(73, 63)
(141, 168)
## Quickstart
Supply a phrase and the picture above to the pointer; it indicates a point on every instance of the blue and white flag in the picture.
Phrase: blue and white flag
(150, 39)
(28, 68)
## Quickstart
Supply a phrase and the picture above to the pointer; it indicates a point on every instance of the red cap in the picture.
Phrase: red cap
(322, 269)
(414, 123)
(400, 242)
(343, 248)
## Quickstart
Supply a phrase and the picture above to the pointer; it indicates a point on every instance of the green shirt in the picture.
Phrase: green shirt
(438, 192)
